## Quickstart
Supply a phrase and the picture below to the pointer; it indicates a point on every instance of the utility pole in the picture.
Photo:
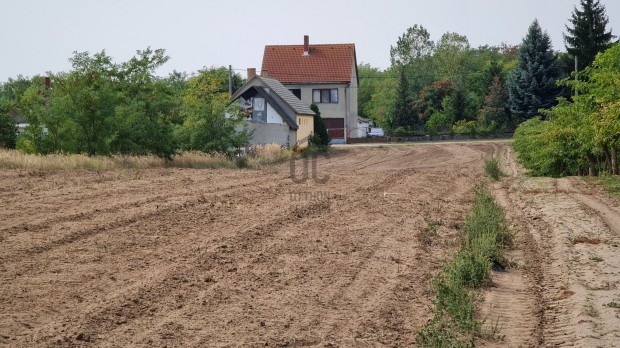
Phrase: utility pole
(576, 69)
(230, 79)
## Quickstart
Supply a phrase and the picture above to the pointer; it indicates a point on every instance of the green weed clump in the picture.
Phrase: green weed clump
(492, 168)
(485, 235)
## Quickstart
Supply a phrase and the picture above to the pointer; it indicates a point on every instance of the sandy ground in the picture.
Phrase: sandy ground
(566, 265)
(249, 258)
(232, 258)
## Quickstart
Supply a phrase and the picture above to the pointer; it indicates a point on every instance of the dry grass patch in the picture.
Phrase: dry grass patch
(259, 156)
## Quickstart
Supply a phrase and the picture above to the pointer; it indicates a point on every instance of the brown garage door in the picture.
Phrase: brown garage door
(335, 127)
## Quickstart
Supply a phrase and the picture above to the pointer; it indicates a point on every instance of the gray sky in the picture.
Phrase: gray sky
(40, 35)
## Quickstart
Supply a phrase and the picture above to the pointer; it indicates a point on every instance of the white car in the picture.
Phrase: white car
(376, 133)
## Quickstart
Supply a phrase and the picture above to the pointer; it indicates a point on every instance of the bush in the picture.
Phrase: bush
(439, 123)
(465, 127)
(319, 137)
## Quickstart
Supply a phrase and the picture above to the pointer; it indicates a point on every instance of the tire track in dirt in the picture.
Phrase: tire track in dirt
(87, 226)
(165, 273)
(564, 265)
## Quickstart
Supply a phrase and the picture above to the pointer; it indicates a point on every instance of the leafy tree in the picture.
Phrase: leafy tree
(602, 85)
(146, 109)
(320, 137)
(415, 43)
(382, 102)
(87, 97)
(10, 93)
(8, 131)
(430, 98)
(369, 78)
(451, 55)
(209, 125)
(587, 34)
(532, 84)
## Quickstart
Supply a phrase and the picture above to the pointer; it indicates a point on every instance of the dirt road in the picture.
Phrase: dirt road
(228, 258)
(563, 287)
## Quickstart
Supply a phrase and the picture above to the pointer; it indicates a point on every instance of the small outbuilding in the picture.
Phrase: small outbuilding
(273, 112)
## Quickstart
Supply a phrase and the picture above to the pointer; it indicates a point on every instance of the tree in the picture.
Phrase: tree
(582, 135)
(369, 78)
(143, 119)
(451, 54)
(382, 102)
(8, 131)
(87, 97)
(430, 98)
(532, 85)
(319, 137)
(415, 43)
(587, 34)
(404, 115)
(493, 115)
(210, 125)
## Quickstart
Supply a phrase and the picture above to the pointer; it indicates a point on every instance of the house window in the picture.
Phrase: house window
(296, 92)
(325, 95)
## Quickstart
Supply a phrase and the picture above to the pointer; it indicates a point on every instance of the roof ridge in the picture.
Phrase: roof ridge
(335, 44)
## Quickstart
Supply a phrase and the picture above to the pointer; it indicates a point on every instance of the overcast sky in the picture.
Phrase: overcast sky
(37, 36)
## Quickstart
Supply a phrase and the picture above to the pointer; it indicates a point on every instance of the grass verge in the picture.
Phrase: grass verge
(485, 235)
(610, 183)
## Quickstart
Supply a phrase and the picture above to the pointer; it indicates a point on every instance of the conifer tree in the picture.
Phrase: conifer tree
(531, 85)
(320, 136)
(493, 113)
(404, 115)
(587, 34)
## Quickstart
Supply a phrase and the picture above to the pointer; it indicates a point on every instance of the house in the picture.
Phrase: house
(322, 74)
(273, 113)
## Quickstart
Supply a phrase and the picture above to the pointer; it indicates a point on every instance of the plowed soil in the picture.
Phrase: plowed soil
(232, 258)
(253, 258)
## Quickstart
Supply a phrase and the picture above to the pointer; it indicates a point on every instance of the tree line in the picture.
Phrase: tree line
(101, 107)
(581, 134)
(450, 87)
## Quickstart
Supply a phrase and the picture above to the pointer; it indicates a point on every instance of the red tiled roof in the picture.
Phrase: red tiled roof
(325, 63)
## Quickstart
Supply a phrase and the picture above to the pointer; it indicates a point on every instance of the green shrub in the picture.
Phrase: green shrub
(465, 127)
(491, 167)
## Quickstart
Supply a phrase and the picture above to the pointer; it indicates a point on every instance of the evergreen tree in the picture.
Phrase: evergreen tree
(493, 115)
(531, 85)
(588, 35)
(404, 115)
(320, 136)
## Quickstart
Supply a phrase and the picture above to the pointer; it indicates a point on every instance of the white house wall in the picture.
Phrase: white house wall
(273, 116)
(345, 108)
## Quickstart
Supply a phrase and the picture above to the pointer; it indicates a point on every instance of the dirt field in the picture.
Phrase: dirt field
(249, 258)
